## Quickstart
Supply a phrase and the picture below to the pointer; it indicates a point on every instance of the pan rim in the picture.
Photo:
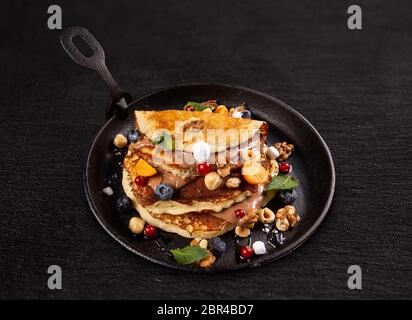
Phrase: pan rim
(281, 253)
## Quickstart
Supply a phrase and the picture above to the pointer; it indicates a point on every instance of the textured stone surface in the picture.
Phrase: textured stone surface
(355, 87)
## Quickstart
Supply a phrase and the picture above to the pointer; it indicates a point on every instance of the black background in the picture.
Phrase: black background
(354, 86)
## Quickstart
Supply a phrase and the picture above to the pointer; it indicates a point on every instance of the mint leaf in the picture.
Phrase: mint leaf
(189, 254)
(196, 105)
(158, 139)
(282, 182)
(165, 140)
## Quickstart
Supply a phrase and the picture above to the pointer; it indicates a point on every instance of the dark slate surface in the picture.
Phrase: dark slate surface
(354, 86)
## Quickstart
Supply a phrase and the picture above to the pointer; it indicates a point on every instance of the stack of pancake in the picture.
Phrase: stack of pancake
(194, 211)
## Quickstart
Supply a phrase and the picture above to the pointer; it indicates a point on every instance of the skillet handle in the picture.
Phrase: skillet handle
(95, 62)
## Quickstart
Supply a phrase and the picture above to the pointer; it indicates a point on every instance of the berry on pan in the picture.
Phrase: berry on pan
(124, 204)
(246, 114)
(149, 231)
(133, 135)
(246, 252)
(217, 246)
(288, 196)
(164, 191)
(204, 168)
(285, 167)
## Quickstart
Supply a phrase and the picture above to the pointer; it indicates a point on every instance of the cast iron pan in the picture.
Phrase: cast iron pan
(312, 162)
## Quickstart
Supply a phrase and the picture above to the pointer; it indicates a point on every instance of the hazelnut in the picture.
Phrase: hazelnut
(136, 225)
(272, 153)
(282, 224)
(195, 241)
(213, 180)
(208, 261)
(266, 215)
(222, 110)
(232, 183)
(282, 212)
(293, 219)
(224, 171)
(242, 232)
(203, 243)
(120, 141)
(250, 219)
(291, 215)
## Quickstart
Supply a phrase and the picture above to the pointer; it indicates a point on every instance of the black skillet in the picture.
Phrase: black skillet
(311, 161)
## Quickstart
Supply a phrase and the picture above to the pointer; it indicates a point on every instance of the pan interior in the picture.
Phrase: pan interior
(311, 161)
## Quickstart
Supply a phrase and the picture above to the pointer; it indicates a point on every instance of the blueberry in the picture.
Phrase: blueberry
(246, 114)
(217, 246)
(133, 135)
(124, 204)
(164, 191)
(288, 196)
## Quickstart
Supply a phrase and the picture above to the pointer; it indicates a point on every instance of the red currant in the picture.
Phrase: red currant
(141, 181)
(246, 252)
(240, 213)
(189, 108)
(204, 168)
(149, 231)
(284, 167)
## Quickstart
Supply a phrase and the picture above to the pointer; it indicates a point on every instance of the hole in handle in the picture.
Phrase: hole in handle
(82, 46)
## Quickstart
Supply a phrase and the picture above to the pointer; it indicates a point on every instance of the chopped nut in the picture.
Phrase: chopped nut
(203, 243)
(241, 107)
(285, 149)
(282, 212)
(233, 183)
(120, 141)
(189, 228)
(136, 225)
(282, 224)
(273, 168)
(250, 219)
(224, 171)
(208, 110)
(291, 215)
(242, 232)
(195, 241)
(208, 261)
(108, 191)
(203, 227)
(210, 104)
(266, 215)
(222, 110)
(213, 180)
(293, 219)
